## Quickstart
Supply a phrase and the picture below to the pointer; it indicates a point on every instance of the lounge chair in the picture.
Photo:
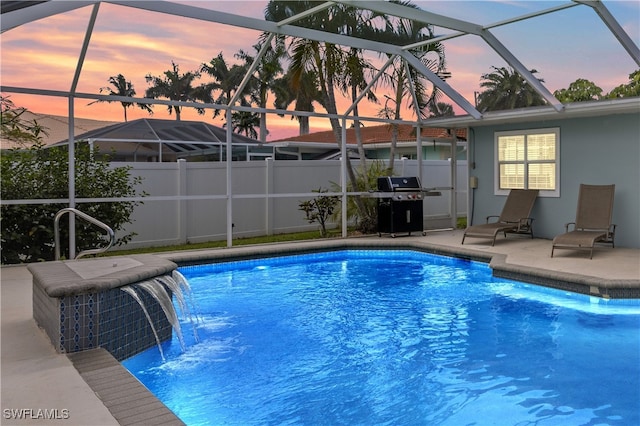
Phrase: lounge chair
(515, 217)
(593, 220)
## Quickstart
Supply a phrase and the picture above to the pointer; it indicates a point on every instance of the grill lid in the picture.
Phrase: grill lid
(398, 184)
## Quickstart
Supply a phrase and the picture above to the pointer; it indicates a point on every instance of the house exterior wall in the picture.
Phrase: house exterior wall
(593, 150)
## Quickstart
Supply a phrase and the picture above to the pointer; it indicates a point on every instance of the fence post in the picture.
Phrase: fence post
(268, 190)
(182, 203)
(403, 161)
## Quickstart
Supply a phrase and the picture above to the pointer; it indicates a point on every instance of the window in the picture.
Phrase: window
(528, 159)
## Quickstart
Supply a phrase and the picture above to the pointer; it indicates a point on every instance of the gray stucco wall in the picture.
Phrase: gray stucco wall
(593, 150)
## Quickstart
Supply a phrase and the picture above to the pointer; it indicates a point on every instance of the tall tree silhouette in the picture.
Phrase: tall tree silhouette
(632, 88)
(405, 81)
(268, 69)
(178, 87)
(505, 89)
(303, 93)
(122, 87)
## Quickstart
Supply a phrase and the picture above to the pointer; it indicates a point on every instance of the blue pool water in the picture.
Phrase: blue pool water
(394, 338)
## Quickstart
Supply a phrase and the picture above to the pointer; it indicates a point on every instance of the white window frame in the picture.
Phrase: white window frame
(526, 162)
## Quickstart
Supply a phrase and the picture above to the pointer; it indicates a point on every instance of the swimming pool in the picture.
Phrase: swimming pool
(394, 337)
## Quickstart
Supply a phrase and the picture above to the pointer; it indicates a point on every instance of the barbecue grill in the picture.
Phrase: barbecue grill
(400, 206)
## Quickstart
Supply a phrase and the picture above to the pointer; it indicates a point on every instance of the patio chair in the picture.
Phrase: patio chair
(593, 220)
(515, 217)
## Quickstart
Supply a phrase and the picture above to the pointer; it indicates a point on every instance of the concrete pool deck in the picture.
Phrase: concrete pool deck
(34, 377)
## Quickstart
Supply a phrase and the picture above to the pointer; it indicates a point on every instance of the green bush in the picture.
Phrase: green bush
(363, 211)
(319, 209)
(42, 173)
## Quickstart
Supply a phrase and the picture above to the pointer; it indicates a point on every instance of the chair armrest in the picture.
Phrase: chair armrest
(566, 226)
(492, 216)
(525, 224)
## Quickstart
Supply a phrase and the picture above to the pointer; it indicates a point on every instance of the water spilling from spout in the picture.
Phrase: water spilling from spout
(132, 292)
(157, 288)
(158, 292)
(185, 287)
(179, 286)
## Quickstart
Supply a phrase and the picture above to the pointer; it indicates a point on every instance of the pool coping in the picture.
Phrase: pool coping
(71, 277)
(126, 398)
(577, 283)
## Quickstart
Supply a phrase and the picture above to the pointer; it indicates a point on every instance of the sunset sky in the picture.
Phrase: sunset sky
(561, 46)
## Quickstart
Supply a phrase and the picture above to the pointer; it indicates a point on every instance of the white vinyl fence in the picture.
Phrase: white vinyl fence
(187, 201)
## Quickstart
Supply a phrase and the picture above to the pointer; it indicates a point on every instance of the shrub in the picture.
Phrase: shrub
(365, 216)
(319, 209)
(42, 173)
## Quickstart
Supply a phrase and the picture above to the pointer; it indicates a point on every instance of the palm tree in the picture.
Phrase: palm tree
(405, 81)
(245, 122)
(267, 71)
(227, 79)
(332, 66)
(440, 109)
(322, 59)
(326, 61)
(122, 87)
(354, 81)
(178, 87)
(303, 92)
(505, 89)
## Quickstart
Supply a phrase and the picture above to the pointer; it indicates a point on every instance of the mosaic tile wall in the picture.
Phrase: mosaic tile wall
(112, 320)
(124, 329)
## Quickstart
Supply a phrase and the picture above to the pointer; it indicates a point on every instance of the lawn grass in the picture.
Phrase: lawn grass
(279, 238)
(265, 239)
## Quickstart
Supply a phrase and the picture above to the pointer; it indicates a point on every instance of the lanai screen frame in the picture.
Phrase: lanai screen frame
(19, 13)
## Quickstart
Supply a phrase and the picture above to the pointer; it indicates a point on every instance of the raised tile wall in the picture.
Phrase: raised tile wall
(110, 319)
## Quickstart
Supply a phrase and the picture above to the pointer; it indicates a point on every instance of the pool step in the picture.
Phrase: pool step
(128, 400)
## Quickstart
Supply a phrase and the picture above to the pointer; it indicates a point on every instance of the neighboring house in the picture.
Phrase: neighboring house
(156, 140)
(152, 140)
(147, 140)
(588, 142)
(376, 140)
(57, 127)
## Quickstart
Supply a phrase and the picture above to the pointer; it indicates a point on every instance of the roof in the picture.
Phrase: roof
(379, 134)
(159, 130)
(572, 110)
(57, 127)
(180, 136)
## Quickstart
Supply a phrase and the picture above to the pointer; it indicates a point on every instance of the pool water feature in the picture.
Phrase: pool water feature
(394, 337)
